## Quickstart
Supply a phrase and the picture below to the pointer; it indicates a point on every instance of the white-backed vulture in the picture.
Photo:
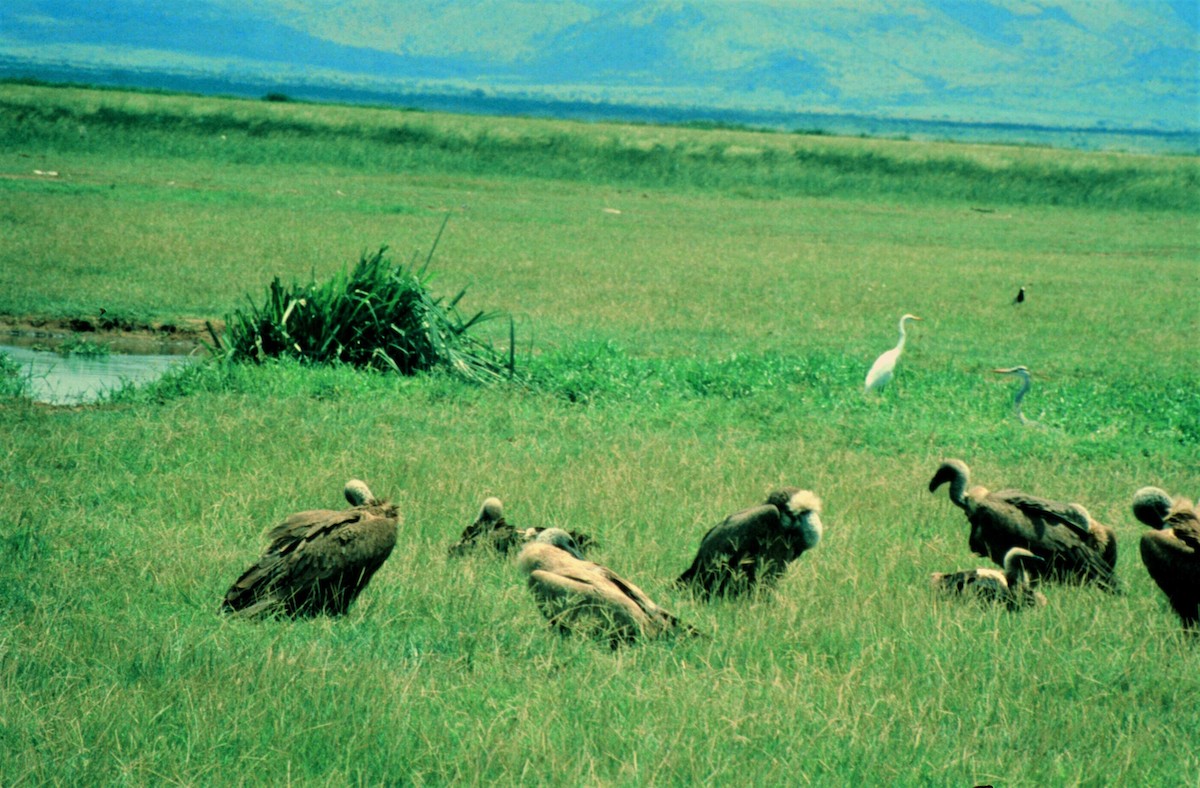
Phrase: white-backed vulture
(318, 561)
(755, 545)
(883, 368)
(576, 595)
(1075, 547)
(1171, 552)
(491, 530)
(1010, 588)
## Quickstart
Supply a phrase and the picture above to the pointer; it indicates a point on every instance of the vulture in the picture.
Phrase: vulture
(1010, 588)
(881, 371)
(1073, 546)
(490, 529)
(1171, 552)
(576, 595)
(318, 561)
(755, 544)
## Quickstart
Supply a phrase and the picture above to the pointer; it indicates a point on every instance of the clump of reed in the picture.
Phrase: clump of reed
(378, 316)
(13, 380)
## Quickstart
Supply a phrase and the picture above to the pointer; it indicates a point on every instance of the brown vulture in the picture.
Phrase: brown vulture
(318, 561)
(1171, 552)
(491, 530)
(1010, 588)
(576, 595)
(755, 545)
(1073, 546)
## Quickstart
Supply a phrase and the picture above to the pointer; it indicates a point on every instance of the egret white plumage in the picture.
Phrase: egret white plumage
(884, 366)
(1026, 383)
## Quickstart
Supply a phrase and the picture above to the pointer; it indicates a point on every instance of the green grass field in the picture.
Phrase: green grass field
(696, 312)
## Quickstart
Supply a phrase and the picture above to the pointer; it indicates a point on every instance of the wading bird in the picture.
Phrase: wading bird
(1020, 299)
(318, 561)
(1171, 552)
(884, 367)
(491, 530)
(1026, 384)
(576, 595)
(755, 545)
(1073, 545)
(1010, 588)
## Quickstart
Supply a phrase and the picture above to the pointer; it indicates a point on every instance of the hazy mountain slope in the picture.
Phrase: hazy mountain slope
(1068, 62)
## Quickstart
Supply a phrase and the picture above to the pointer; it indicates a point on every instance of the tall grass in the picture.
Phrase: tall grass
(759, 163)
(689, 353)
(378, 316)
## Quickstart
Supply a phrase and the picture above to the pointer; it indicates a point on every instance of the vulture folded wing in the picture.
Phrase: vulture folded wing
(561, 593)
(1186, 525)
(1042, 510)
(740, 534)
(304, 526)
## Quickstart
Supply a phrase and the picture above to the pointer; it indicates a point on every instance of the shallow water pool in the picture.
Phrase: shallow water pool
(75, 380)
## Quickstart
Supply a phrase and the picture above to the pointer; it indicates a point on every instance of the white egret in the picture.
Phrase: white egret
(885, 365)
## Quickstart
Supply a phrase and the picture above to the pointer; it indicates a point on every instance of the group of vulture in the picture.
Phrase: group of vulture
(317, 562)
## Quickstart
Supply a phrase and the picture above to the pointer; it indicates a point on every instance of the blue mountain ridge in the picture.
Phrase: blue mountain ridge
(994, 62)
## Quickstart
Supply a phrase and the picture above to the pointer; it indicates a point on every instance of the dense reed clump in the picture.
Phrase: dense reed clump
(378, 316)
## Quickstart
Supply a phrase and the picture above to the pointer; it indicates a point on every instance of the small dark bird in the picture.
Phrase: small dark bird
(491, 530)
(1010, 588)
(576, 595)
(1073, 545)
(1171, 552)
(318, 561)
(755, 545)
(1020, 299)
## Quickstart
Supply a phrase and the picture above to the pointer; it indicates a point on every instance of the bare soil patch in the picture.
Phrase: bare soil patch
(122, 335)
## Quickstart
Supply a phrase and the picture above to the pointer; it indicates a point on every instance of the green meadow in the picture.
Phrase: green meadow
(695, 311)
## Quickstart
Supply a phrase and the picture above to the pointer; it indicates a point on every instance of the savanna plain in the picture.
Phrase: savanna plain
(694, 312)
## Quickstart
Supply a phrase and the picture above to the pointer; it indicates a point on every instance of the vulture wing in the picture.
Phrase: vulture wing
(732, 546)
(317, 560)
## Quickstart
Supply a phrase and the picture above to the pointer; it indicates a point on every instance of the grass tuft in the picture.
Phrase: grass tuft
(379, 316)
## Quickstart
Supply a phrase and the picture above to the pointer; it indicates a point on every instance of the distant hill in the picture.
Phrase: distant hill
(1127, 64)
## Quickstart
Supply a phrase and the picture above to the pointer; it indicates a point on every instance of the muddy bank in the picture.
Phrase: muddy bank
(120, 335)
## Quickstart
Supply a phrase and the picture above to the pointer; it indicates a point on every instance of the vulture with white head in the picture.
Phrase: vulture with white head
(1011, 587)
(755, 545)
(1171, 552)
(318, 561)
(491, 531)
